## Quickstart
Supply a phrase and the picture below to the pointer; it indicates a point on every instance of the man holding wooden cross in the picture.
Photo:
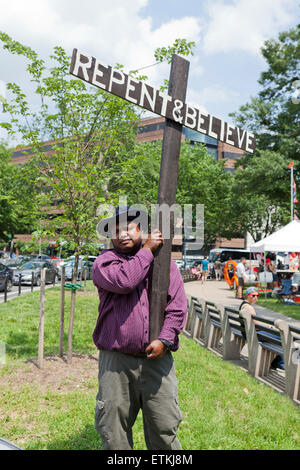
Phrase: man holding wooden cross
(136, 366)
(134, 372)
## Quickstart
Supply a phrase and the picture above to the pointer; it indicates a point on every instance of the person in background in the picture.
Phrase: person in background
(294, 291)
(218, 269)
(204, 269)
(261, 267)
(279, 265)
(273, 270)
(247, 305)
(269, 269)
(240, 272)
(230, 268)
(197, 271)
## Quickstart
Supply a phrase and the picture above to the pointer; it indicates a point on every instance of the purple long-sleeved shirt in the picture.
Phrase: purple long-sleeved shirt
(123, 321)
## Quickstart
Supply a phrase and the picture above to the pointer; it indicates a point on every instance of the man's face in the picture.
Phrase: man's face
(128, 235)
(252, 298)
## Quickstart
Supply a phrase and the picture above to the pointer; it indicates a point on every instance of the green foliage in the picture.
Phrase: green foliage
(282, 57)
(273, 115)
(202, 180)
(141, 175)
(33, 247)
(180, 47)
(164, 54)
(261, 193)
(18, 206)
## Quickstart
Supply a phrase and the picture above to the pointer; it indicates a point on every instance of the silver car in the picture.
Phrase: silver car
(69, 268)
(33, 269)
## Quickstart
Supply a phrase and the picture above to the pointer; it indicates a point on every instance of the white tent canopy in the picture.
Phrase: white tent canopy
(287, 239)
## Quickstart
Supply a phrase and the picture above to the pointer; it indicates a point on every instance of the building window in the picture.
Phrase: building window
(151, 127)
(231, 155)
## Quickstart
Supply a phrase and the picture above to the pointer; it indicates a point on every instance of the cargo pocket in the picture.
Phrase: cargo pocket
(100, 421)
(176, 405)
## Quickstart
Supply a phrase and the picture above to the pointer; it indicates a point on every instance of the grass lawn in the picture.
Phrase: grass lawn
(222, 406)
(292, 311)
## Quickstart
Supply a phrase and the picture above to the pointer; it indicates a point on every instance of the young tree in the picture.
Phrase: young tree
(91, 133)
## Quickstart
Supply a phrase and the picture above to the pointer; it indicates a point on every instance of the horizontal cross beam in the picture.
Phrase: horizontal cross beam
(118, 83)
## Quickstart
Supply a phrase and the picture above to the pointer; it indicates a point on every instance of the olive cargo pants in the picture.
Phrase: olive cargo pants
(127, 384)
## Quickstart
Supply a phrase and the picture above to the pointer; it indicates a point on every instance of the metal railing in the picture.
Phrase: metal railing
(19, 285)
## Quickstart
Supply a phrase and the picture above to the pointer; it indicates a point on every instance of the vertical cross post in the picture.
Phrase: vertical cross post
(167, 195)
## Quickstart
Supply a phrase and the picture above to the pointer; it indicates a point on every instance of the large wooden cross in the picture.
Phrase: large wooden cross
(172, 106)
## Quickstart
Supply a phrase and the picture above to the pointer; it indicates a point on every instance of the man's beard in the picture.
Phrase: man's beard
(132, 252)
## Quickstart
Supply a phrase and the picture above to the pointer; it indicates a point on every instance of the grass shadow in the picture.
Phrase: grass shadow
(87, 439)
(21, 344)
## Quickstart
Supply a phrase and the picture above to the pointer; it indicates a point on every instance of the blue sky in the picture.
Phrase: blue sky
(228, 34)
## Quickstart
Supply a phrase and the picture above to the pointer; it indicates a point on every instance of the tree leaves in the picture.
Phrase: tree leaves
(91, 133)
(180, 47)
(261, 193)
(18, 209)
(273, 115)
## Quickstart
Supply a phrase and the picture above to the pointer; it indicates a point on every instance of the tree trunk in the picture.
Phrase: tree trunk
(85, 276)
(81, 267)
(62, 313)
(72, 311)
(42, 320)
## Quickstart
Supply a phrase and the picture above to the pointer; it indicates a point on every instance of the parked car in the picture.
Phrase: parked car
(6, 275)
(35, 267)
(15, 263)
(69, 268)
(190, 263)
(54, 261)
(180, 263)
(42, 257)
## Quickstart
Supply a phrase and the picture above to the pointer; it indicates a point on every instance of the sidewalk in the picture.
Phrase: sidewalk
(220, 293)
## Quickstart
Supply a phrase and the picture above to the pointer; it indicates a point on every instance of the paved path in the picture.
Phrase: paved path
(220, 293)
